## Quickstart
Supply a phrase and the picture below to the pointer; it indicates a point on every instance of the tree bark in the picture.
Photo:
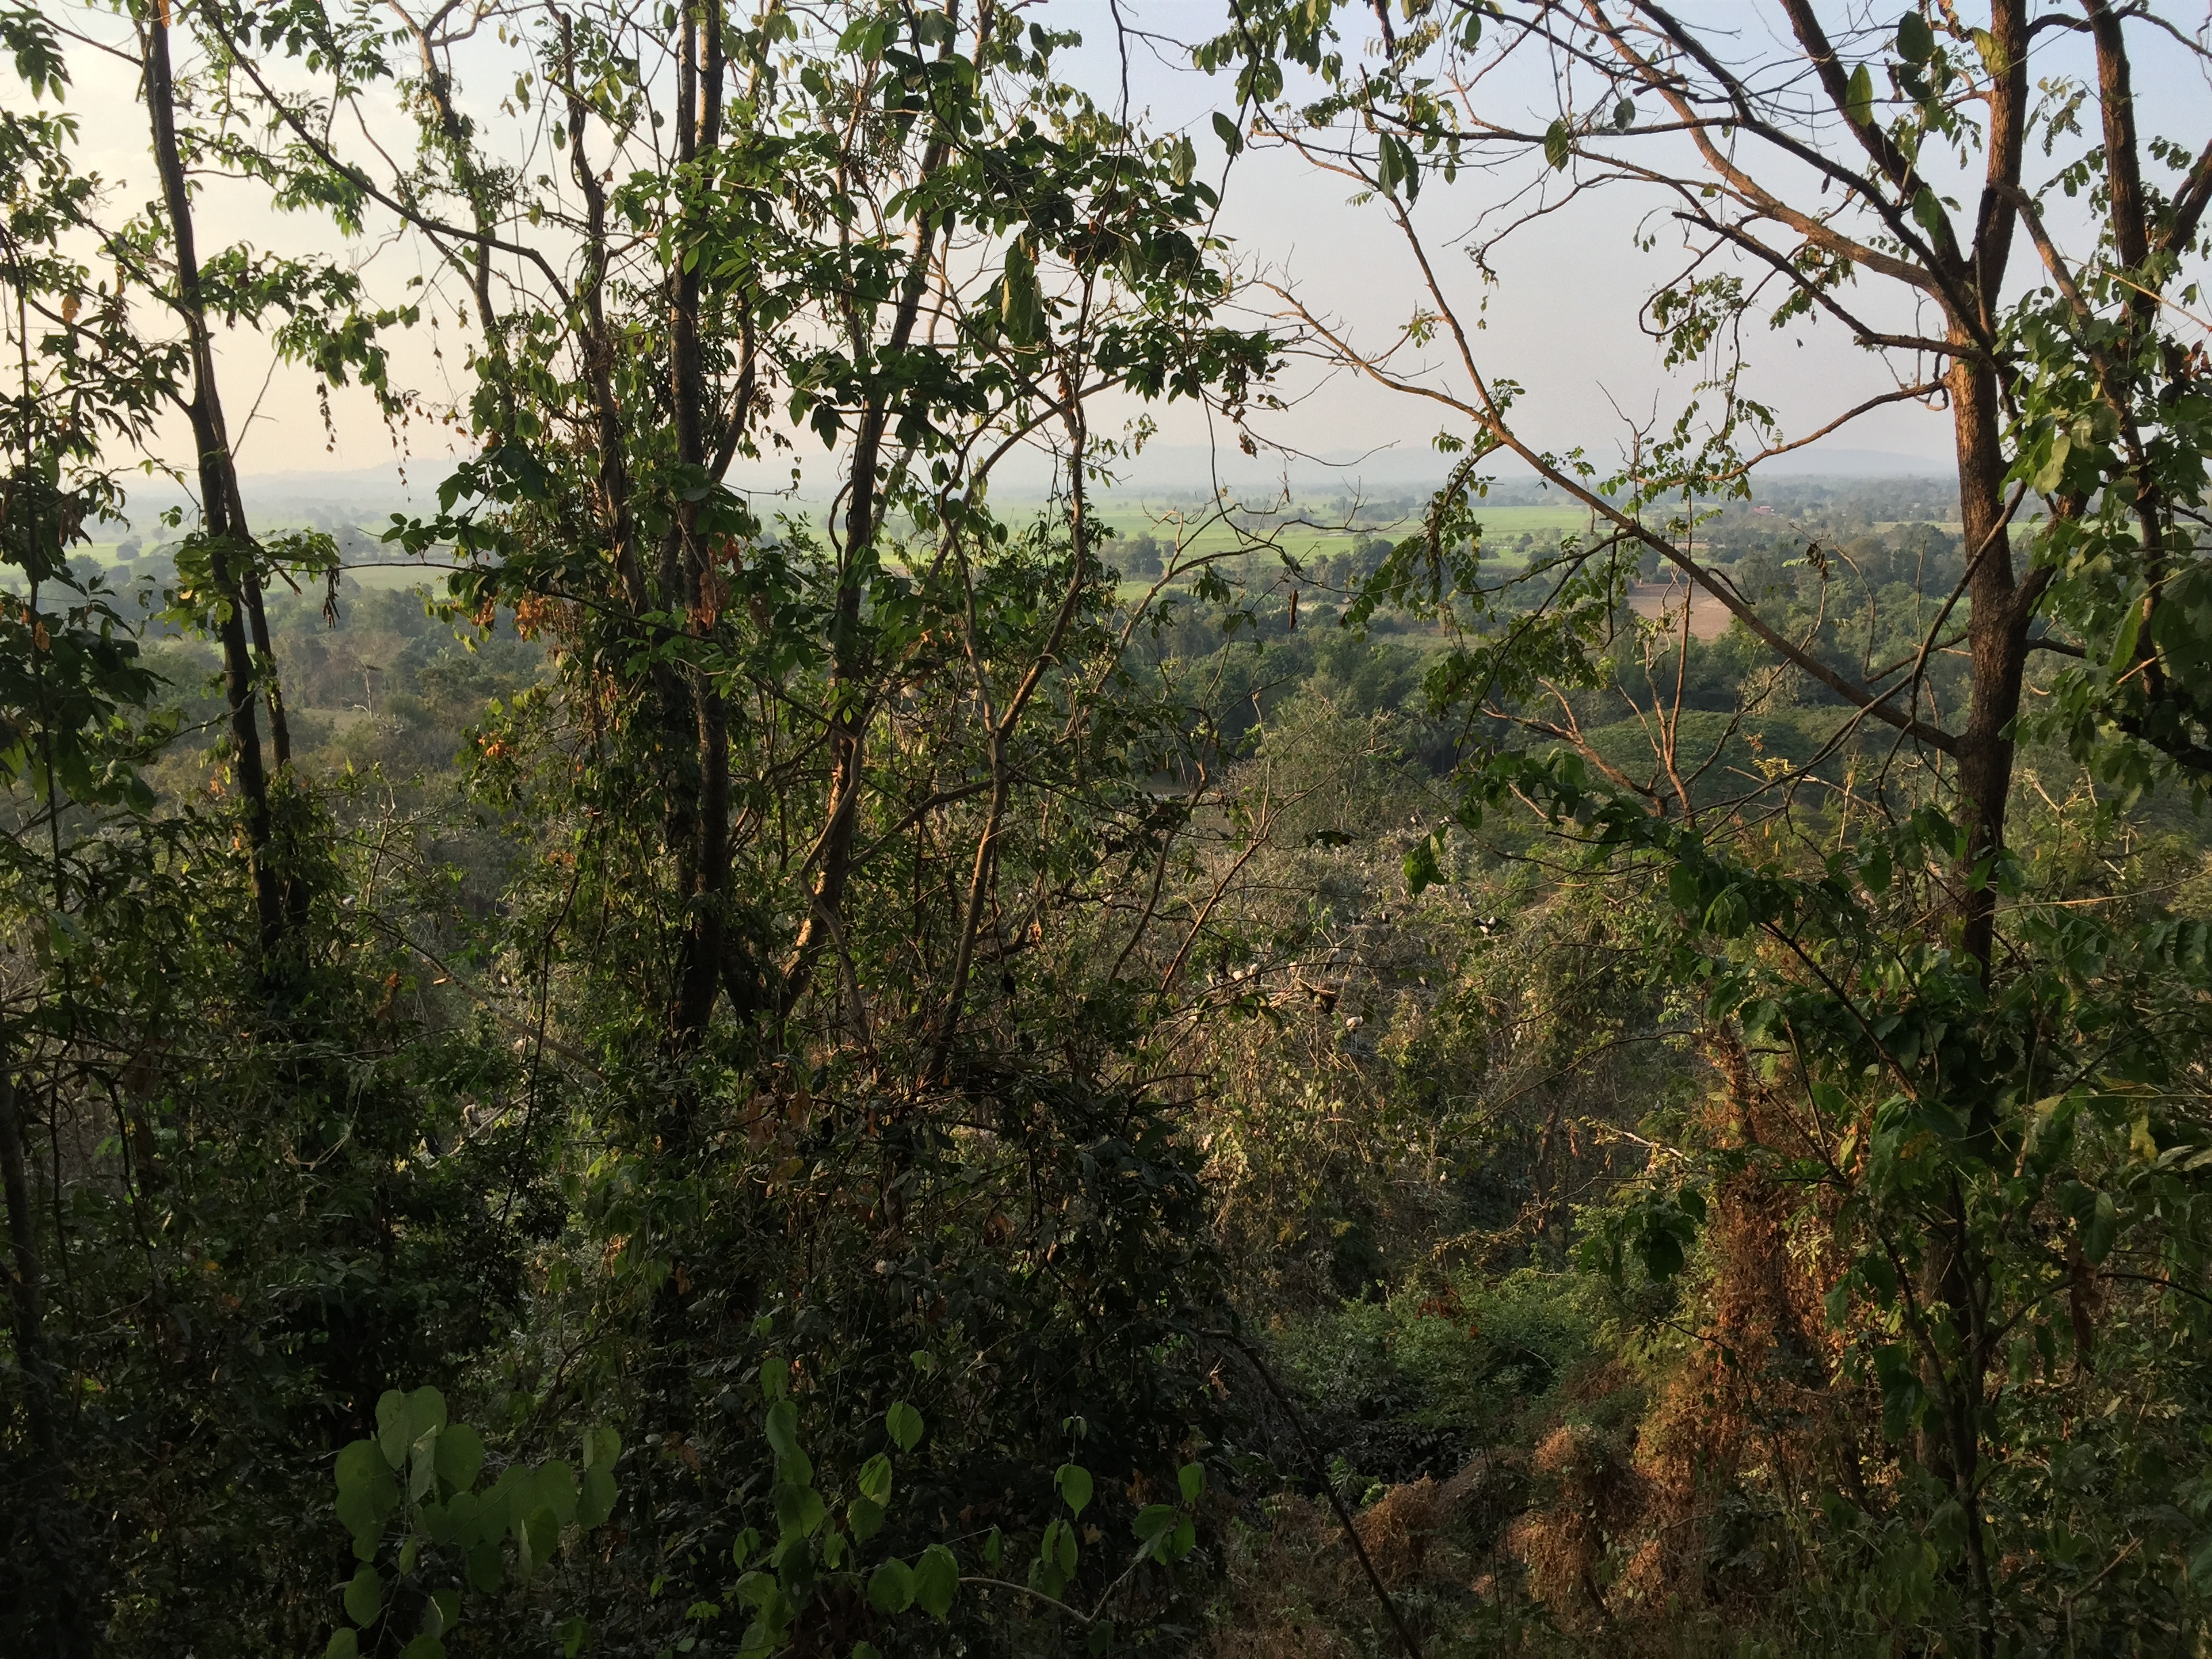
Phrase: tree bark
(704, 865)
(1996, 639)
(222, 520)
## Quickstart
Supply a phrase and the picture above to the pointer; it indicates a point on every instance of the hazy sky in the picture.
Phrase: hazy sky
(1561, 320)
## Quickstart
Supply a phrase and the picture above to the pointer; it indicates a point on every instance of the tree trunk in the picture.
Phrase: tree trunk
(1997, 642)
(224, 525)
(705, 865)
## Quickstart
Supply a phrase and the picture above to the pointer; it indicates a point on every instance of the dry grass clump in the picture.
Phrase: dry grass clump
(1595, 1495)
(1288, 1588)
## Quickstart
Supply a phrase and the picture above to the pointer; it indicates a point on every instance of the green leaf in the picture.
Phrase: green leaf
(2052, 473)
(2100, 1229)
(391, 1435)
(1074, 1483)
(1191, 1477)
(2124, 638)
(1021, 308)
(556, 1489)
(1858, 97)
(936, 1580)
(597, 1500)
(876, 1479)
(1101, 1639)
(782, 1427)
(775, 1378)
(367, 1493)
(360, 1463)
(1420, 868)
(1559, 145)
(1225, 129)
(573, 1633)
(460, 1455)
(1916, 42)
(1155, 1524)
(364, 1596)
(904, 1426)
(866, 1517)
(602, 1446)
(423, 1647)
(404, 1419)
(343, 1644)
(891, 1587)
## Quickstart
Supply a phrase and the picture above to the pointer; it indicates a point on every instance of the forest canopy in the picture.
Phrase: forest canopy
(778, 1012)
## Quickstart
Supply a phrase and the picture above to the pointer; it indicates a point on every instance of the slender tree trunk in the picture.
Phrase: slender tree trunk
(706, 866)
(224, 525)
(1996, 640)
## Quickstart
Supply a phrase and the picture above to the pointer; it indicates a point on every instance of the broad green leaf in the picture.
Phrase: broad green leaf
(1191, 1477)
(2100, 1230)
(875, 1480)
(936, 1581)
(891, 1587)
(1420, 868)
(362, 1462)
(364, 1596)
(866, 1517)
(573, 1633)
(460, 1455)
(597, 1500)
(775, 1378)
(343, 1644)
(366, 1499)
(556, 1489)
(404, 1419)
(904, 1426)
(1225, 129)
(781, 1425)
(1916, 42)
(2124, 638)
(391, 1435)
(1858, 97)
(1074, 1483)
(602, 1447)
(1559, 145)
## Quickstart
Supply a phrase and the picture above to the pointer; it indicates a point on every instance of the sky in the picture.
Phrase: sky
(1560, 319)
